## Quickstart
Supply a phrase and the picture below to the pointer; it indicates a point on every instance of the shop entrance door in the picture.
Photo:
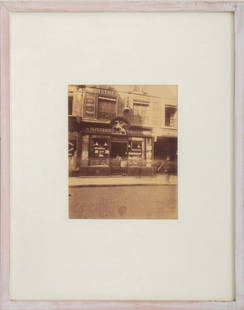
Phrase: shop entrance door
(118, 154)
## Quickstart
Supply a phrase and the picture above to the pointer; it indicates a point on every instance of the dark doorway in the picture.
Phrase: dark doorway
(165, 154)
(118, 149)
(165, 147)
(118, 154)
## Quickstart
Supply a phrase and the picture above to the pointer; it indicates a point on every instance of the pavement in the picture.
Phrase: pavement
(96, 181)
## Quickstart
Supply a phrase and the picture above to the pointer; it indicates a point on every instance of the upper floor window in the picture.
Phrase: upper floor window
(140, 112)
(170, 116)
(106, 108)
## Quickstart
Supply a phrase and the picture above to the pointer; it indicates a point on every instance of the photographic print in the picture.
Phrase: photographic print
(122, 151)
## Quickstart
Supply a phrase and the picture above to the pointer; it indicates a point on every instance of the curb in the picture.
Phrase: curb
(114, 185)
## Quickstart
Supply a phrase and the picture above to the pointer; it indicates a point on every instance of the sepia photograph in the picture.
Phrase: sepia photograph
(122, 151)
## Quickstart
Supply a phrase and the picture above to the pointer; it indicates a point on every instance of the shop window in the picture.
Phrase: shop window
(106, 108)
(99, 151)
(170, 117)
(70, 105)
(135, 153)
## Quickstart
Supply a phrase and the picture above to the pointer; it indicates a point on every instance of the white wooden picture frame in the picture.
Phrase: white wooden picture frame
(237, 8)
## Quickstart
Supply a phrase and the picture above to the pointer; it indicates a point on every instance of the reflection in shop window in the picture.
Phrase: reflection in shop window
(99, 152)
(170, 117)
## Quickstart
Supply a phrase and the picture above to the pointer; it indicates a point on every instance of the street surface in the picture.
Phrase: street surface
(123, 202)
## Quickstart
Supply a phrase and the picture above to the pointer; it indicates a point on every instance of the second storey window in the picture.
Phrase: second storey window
(170, 116)
(141, 112)
(106, 108)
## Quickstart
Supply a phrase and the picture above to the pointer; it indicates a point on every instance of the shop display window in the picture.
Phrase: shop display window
(99, 151)
(135, 154)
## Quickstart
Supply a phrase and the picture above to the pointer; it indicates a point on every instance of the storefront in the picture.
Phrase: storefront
(165, 149)
(111, 149)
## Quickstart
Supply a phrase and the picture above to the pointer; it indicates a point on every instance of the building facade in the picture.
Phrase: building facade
(121, 130)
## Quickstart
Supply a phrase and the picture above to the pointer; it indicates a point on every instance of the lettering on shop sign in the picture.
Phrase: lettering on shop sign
(98, 130)
(89, 106)
(106, 131)
(107, 92)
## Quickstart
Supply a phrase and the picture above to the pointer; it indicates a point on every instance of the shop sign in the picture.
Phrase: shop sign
(98, 130)
(89, 106)
(107, 92)
(118, 130)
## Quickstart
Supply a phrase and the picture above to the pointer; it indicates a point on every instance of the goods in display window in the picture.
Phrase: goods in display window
(99, 152)
(135, 153)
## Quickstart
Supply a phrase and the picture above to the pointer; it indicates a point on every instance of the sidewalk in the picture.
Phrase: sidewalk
(121, 180)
